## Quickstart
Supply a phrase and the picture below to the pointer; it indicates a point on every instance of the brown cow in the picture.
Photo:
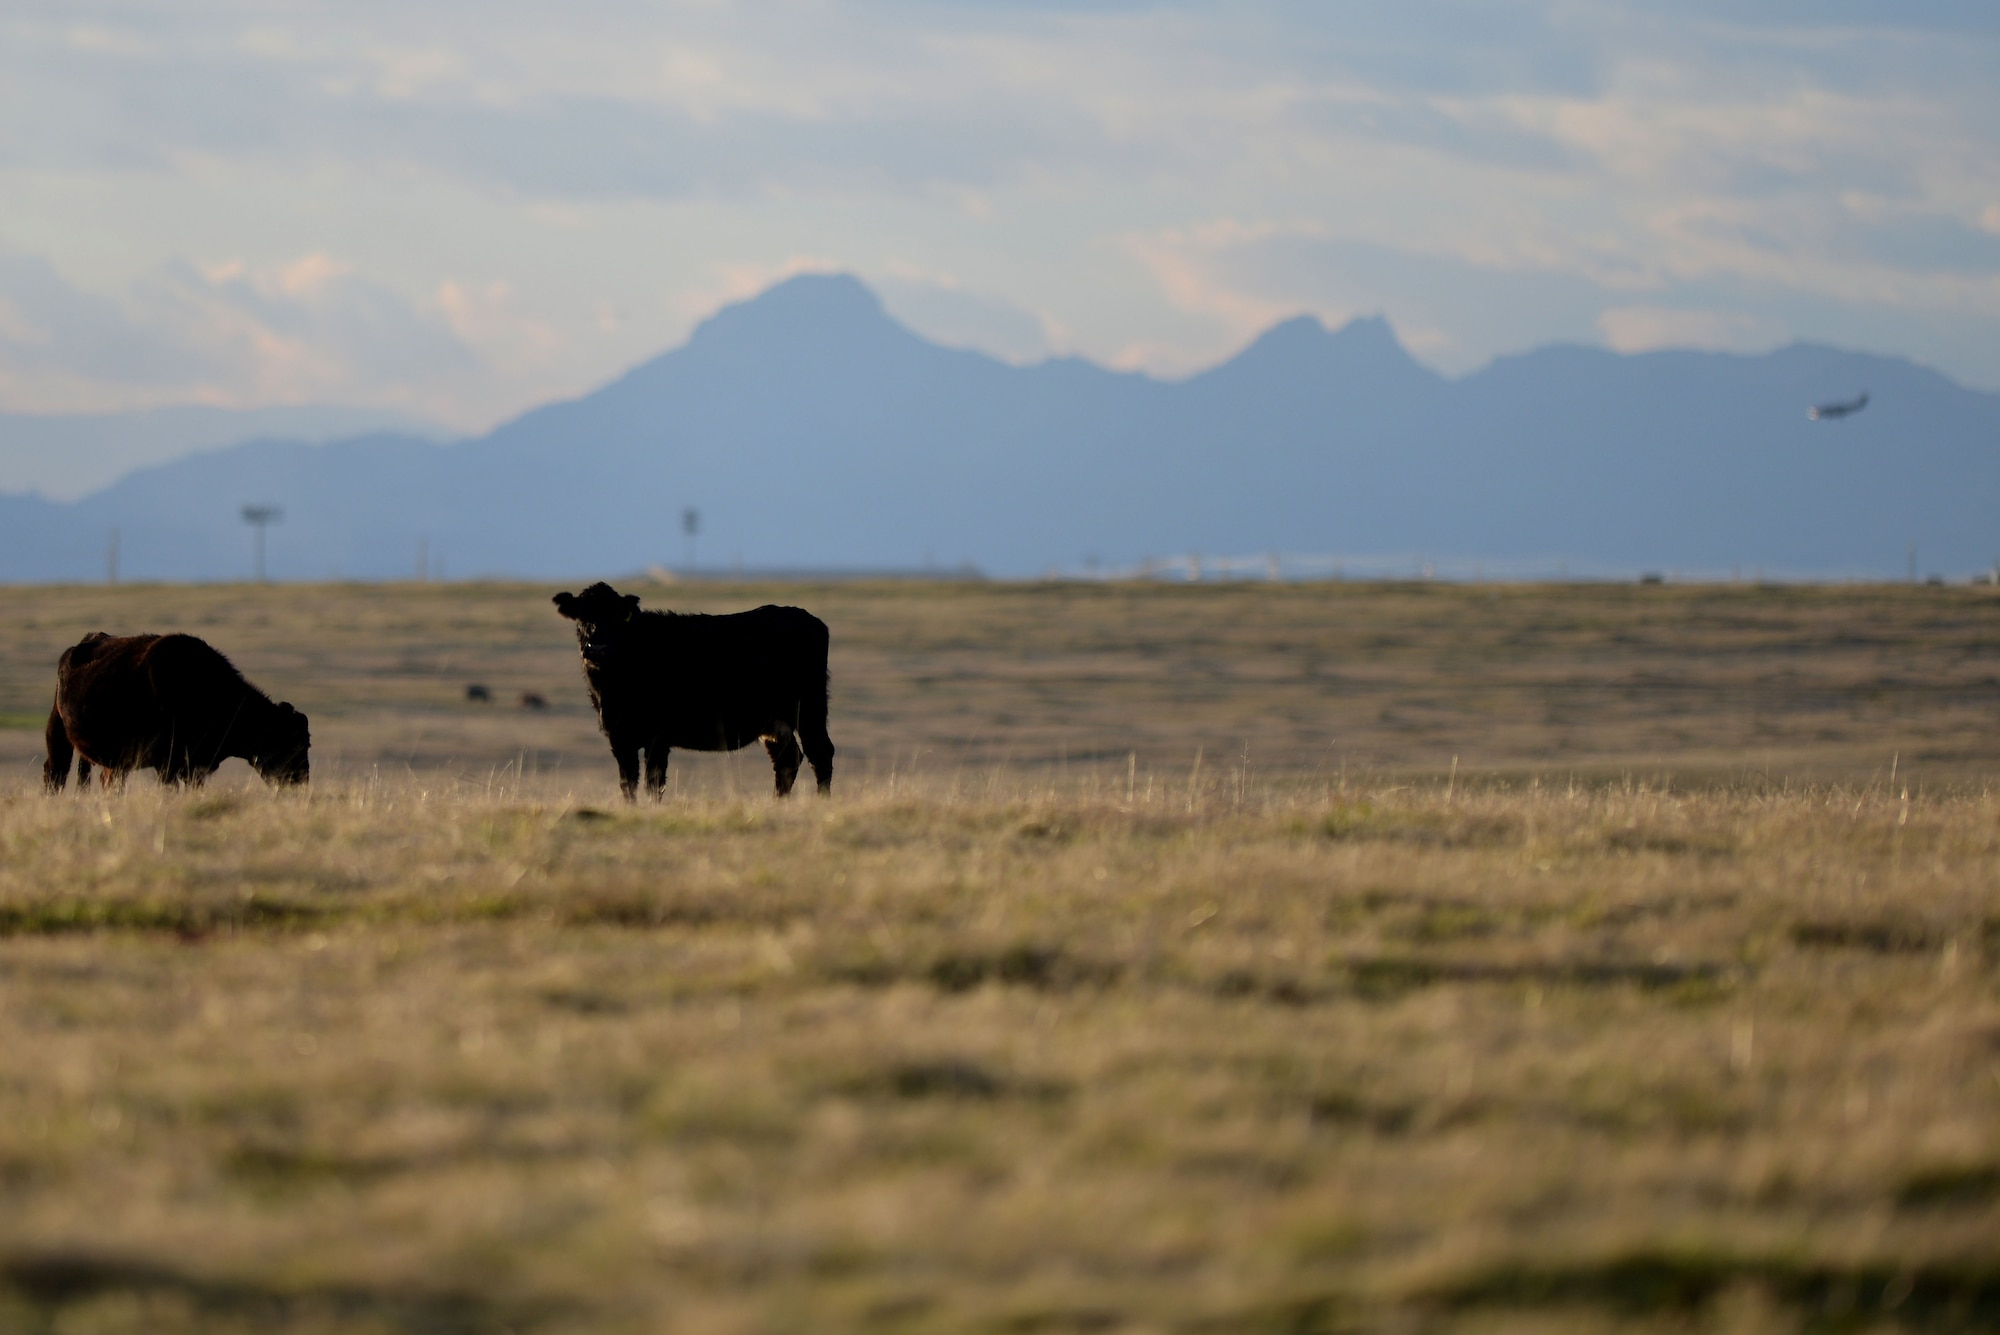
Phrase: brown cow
(169, 703)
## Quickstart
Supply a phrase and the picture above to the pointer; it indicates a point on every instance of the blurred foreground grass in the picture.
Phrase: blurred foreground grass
(1028, 1030)
(381, 1058)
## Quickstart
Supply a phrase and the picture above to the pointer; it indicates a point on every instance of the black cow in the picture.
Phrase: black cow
(705, 683)
(169, 703)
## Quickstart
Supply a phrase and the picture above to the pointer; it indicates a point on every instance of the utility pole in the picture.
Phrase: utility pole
(111, 559)
(690, 525)
(260, 517)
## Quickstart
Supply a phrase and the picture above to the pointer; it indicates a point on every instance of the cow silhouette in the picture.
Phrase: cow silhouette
(703, 683)
(169, 703)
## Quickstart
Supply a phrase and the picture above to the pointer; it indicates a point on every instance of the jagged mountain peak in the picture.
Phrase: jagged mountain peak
(827, 304)
(821, 323)
(1365, 352)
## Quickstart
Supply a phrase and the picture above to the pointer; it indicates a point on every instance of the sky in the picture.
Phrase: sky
(462, 208)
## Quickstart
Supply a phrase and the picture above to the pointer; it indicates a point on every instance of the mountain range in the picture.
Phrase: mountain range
(812, 431)
(65, 456)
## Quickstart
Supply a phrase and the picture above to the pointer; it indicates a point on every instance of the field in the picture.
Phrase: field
(1169, 958)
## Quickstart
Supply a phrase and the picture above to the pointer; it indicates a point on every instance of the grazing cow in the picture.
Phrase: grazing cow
(534, 700)
(478, 694)
(706, 683)
(170, 703)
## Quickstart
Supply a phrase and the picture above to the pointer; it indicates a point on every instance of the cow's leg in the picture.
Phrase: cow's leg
(818, 746)
(82, 774)
(783, 748)
(627, 756)
(656, 770)
(55, 769)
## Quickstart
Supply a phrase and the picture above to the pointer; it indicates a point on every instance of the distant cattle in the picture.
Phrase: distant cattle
(169, 703)
(534, 700)
(477, 694)
(704, 683)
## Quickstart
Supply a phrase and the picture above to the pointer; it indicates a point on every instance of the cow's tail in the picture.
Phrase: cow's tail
(55, 769)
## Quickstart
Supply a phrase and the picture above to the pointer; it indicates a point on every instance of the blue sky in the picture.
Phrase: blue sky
(461, 209)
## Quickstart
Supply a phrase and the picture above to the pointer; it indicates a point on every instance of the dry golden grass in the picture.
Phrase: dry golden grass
(1668, 1010)
(1598, 680)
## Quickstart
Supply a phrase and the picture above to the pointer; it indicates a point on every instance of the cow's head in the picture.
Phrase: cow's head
(603, 618)
(282, 752)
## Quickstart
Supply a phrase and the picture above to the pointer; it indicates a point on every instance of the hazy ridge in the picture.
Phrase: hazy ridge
(811, 430)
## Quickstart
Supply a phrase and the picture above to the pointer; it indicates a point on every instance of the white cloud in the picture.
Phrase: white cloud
(1182, 262)
(937, 307)
(459, 208)
(307, 330)
(486, 320)
(1649, 328)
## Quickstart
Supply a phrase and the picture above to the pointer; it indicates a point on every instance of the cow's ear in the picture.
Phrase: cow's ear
(631, 606)
(285, 708)
(565, 604)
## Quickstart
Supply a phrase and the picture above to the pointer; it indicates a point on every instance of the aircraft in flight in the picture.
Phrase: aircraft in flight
(1833, 412)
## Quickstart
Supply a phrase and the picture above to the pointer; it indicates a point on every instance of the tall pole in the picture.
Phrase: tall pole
(260, 517)
(111, 559)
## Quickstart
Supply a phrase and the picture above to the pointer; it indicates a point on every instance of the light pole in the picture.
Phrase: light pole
(690, 525)
(260, 517)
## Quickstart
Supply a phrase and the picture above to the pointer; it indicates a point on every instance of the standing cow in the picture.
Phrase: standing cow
(705, 683)
(169, 703)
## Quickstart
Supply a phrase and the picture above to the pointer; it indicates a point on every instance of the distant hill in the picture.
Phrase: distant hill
(67, 455)
(813, 431)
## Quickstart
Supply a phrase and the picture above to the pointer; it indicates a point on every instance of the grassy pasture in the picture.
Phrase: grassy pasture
(1676, 1005)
